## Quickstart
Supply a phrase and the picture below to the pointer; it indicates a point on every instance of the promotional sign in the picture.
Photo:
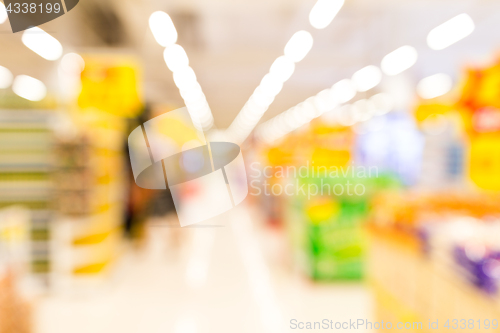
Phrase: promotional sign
(110, 84)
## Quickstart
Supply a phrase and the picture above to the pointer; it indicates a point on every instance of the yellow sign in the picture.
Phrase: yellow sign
(485, 161)
(110, 84)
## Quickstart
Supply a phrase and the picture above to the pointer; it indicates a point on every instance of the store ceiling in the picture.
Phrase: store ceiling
(232, 43)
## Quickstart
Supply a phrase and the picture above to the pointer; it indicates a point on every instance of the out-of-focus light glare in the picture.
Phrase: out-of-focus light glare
(261, 100)
(193, 93)
(308, 110)
(323, 12)
(282, 68)
(450, 32)
(29, 88)
(346, 116)
(185, 78)
(343, 91)
(324, 102)
(3, 13)
(434, 86)
(399, 60)
(175, 57)
(42, 43)
(364, 109)
(383, 103)
(163, 28)
(367, 78)
(72, 63)
(298, 46)
(5, 78)
(271, 85)
(256, 107)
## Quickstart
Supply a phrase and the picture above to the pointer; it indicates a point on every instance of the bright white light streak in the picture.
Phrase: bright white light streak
(450, 32)
(364, 109)
(324, 102)
(5, 77)
(29, 88)
(175, 57)
(163, 28)
(42, 43)
(282, 68)
(383, 103)
(298, 46)
(177, 61)
(347, 116)
(367, 78)
(72, 64)
(271, 85)
(434, 86)
(3, 13)
(192, 94)
(185, 79)
(261, 99)
(399, 60)
(343, 91)
(323, 12)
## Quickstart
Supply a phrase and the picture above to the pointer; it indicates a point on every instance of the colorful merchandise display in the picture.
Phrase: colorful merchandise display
(91, 175)
(26, 139)
(427, 251)
(324, 198)
(15, 270)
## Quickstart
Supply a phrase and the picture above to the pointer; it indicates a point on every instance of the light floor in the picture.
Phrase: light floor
(229, 275)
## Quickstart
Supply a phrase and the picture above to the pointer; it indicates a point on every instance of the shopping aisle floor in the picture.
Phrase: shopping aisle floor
(227, 275)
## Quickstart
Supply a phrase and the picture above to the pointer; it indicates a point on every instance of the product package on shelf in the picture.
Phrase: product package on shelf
(26, 152)
(434, 258)
(91, 187)
(90, 191)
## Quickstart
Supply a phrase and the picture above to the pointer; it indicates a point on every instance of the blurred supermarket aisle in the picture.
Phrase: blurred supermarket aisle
(226, 276)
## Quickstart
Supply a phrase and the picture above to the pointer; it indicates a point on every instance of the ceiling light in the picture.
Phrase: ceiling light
(163, 28)
(175, 57)
(42, 43)
(343, 91)
(450, 32)
(434, 86)
(5, 78)
(72, 63)
(367, 78)
(298, 46)
(282, 68)
(3, 13)
(323, 12)
(29, 88)
(399, 60)
(383, 103)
